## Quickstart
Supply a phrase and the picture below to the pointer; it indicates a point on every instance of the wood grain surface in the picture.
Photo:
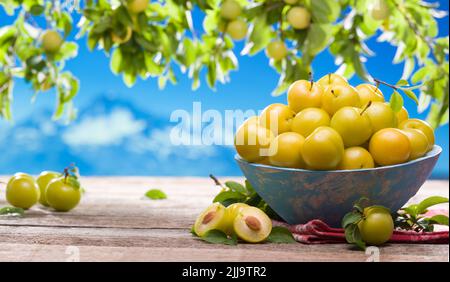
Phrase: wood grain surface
(115, 222)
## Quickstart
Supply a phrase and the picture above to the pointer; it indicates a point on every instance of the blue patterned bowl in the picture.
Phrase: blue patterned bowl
(299, 195)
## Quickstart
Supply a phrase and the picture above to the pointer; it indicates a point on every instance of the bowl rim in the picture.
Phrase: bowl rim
(435, 151)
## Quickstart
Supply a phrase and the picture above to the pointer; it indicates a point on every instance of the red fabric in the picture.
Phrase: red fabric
(318, 232)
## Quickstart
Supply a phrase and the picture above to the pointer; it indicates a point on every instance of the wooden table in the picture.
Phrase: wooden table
(115, 222)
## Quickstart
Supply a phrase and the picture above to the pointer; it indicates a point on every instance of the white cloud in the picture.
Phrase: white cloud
(158, 142)
(104, 130)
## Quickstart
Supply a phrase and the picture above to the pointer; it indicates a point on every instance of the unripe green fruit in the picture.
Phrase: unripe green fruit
(380, 10)
(276, 50)
(137, 6)
(237, 29)
(51, 41)
(230, 10)
(299, 17)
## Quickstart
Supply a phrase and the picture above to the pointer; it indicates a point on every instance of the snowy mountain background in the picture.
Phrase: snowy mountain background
(109, 137)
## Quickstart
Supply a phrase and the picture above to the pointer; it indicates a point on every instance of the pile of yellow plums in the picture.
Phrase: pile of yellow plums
(331, 125)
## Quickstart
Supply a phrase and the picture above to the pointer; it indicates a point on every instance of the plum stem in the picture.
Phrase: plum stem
(216, 181)
(334, 94)
(66, 174)
(385, 83)
(377, 87)
(311, 79)
(365, 108)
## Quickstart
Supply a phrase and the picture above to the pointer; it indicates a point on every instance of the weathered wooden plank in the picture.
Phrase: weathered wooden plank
(119, 202)
(115, 222)
(59, 244)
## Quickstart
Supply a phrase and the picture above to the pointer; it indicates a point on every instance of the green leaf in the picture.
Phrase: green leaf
(254, 200)
(419, 75)
(351, 218)
(431, 201)
(249, 187)
(260, 36)
(411, 95)
(212, 74)
(319, 35)
(219, 237)
(281, 235)
(236, 187)
(68, 50)
(353, 236)
(402, 82)
(12, 211)
(156, 194)
(359, 67)
(211, 21)
(116, 61)
(324, 11)
(73, 182)
(36, 10)
(411, 210)
(129, 79)
(228, 195)
(396, 101)
(439, 219)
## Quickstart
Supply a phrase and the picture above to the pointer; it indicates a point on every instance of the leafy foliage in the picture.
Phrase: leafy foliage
(219, 237)
(12, 211)
(278, 235)
(22, 56)
(156, 194)
(234, 192)
(281, 235)
(350, 224)
(155, 42)
(413, 216)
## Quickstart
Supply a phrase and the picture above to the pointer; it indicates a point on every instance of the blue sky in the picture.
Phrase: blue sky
(250, 88)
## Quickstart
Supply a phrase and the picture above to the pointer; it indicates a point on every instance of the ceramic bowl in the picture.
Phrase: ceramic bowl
(299, 195)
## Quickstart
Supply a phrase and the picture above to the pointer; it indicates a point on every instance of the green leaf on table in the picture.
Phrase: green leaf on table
(411, 210)
(438, 219)
(12, 211)
(351, 218)
(281, 235)
(193, 231)
(219, 237)
(396, 101)
(353, 236)
(156, 194)
(249, 187)
(253, 200)
(236, 187)
(431, 201)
